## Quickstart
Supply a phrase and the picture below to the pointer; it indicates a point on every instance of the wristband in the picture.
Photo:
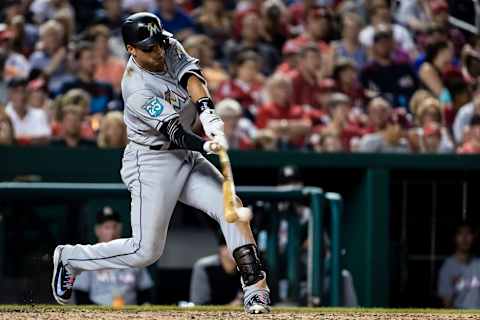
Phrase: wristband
(204, 103)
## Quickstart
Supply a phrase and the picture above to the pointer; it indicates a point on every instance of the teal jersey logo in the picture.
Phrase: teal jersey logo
(154, 107)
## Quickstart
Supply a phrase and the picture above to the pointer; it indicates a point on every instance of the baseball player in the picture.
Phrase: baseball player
(163, 90)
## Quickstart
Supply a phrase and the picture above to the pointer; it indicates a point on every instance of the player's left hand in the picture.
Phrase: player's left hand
(211, 122)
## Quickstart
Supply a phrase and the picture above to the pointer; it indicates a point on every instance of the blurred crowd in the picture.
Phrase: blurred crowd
(321, 75)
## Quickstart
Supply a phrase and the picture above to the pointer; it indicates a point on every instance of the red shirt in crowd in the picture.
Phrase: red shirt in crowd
(305, 92)
(247, 94)
(273, 111)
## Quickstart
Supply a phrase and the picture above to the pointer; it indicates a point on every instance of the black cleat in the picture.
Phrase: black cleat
(62, 279)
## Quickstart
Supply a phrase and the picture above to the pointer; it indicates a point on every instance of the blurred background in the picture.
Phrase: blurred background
(376, 100)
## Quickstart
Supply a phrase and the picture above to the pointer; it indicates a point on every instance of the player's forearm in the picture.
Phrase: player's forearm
(196, 88)
(183, 139)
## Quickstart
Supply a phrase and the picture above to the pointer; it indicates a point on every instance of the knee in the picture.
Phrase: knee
(147, 255)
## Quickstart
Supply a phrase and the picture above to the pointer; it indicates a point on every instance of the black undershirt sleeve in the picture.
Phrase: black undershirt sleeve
(187, 75)
(183, 139)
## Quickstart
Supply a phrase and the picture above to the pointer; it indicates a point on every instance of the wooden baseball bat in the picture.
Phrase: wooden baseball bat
(230, 200)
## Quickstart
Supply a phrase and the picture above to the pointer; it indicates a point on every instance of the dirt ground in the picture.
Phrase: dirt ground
(218, 315)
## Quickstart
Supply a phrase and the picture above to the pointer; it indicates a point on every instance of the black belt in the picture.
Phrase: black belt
(161, 147)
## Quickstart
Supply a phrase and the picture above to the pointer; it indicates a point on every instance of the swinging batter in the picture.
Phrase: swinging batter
(164, 90)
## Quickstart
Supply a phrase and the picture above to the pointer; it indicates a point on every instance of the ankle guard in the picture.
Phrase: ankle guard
(248, 264)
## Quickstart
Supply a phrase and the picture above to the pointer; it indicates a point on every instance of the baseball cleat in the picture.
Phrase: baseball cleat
(62, 279)
(257, 298)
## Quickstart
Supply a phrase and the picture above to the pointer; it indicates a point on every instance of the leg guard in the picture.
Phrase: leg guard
(248, 264)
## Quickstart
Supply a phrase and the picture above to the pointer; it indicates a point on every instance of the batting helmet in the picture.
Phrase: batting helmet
(143, 30)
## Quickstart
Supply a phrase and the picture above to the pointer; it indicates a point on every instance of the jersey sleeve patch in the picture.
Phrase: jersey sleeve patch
(154, 107)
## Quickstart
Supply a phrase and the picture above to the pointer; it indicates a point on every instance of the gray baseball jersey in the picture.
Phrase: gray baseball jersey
(153, 98)
(460, 282)
(157, 179)
(103, 285)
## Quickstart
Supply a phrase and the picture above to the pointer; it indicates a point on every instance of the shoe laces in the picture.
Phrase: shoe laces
(69, 280)
(261, 296)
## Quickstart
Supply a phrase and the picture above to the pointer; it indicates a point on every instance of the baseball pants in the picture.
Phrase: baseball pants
(156, 181)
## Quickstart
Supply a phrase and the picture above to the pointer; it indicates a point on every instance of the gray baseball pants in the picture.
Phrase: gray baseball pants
(156, 181)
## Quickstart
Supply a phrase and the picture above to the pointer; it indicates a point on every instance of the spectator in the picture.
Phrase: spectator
(113, 14)
(339, 125)
(30, 124)
(202, 48)
(439, 9)
(380, 14)
(132, 286)
(214, 21)
(273, 15)
(349, 47)
(215, 279)
(7, 134)
(81, 99)
(433, 33)
(305, 81)
(113, 132)
(318, 26)
(287, 120)
(388, 135)
(471, 61)
(109, 69)
(67, 21)
(430, 136)
(266, 140)
(413, 14)
(14, 64)
(251, 41)
(175, 19)
(471, 138)
(25, 35)
(71, 118)
(396, 81)
(246, 83)
(38, 97)
(465, 115)
(15, 14)
(296, 16)
(438, 58)
(102, 97)
(460, 92)
(51, 57)
(326, 143)
(345, 74)
(460, 273)
(238, 131)
(290, 58)
(319, 30)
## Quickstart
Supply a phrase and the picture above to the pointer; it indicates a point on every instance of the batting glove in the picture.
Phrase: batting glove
(211, 122)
